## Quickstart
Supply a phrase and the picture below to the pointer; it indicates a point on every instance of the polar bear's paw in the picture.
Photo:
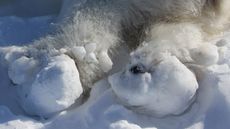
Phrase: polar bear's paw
(158, 88)
(55, 87)
(45, 84)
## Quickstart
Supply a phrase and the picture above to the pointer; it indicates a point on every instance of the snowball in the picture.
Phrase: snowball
(79, 52)
(168, 88)
(206, 55)
(55, 88)
(22, 69)
(91, 47)
(105, 61)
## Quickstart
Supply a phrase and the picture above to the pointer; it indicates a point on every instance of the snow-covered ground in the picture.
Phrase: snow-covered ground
(18, 31)
(45, 93)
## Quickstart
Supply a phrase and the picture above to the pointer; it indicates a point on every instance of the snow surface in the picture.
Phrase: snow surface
(29, 8)
(18, 31)
(45, 93)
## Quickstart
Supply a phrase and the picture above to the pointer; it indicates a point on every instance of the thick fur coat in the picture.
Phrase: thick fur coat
(113, 23)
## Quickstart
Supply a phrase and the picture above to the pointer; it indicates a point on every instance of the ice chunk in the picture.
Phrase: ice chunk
(105, 61)
(91, 47)
(79, 52)
(167, 88)
(91, 58)
(22, 69)
(56, 87)
(63, 50)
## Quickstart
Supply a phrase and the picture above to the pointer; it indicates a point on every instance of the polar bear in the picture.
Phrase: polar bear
(92, 32)
(157, 80)
(89, 30)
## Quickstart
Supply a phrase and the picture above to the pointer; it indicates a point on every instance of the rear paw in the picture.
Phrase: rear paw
(55, 80)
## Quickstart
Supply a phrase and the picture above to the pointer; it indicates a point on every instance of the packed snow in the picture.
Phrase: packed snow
(45, 92)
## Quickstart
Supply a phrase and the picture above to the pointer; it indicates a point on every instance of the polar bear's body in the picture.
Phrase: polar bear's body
(111, 23)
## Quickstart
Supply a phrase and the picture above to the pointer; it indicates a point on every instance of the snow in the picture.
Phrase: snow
(29, 8)
(207, 54)
(45, 93)
(16, 122)
(18, 31)
(123, 125)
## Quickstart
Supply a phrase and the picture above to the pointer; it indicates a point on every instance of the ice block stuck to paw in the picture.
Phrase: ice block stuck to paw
(105, 61)
(79, 52)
